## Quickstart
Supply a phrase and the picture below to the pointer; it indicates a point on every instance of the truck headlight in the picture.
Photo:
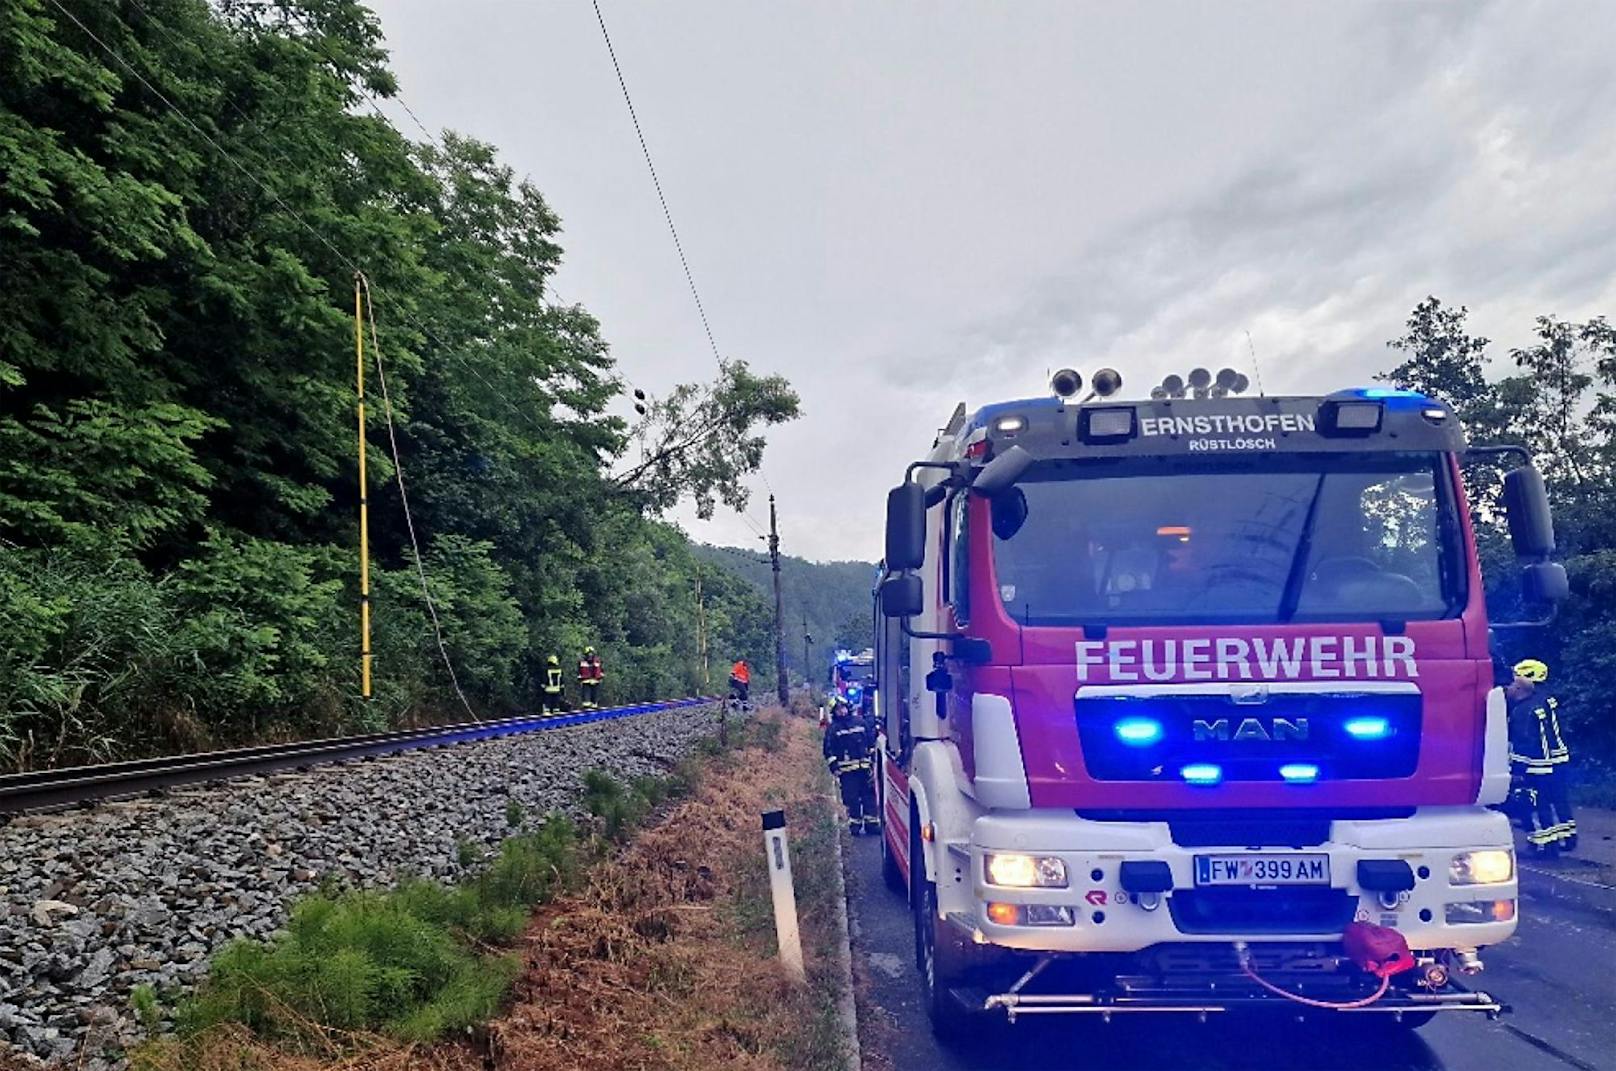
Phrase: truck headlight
(1486, 866)
(1017, 871)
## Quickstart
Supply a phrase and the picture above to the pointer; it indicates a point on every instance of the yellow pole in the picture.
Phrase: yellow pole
(364, 506)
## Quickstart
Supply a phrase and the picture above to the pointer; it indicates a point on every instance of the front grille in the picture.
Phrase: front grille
(1217, 832)
(1249, 741)
(1246, 911)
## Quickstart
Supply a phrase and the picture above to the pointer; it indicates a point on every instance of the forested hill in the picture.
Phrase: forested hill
(835, 597)
(189, 193)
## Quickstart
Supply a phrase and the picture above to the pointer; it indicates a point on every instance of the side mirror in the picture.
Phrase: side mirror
(1009, 512)
(901, 595)
(1531, 525)
(1001, 474)
(1544, 583)
(906, 529)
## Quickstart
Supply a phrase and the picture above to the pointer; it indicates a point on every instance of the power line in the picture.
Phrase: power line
(656, 182)
(667, 213)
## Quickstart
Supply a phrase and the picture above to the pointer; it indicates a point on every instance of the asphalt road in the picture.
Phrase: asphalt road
(1558, 972)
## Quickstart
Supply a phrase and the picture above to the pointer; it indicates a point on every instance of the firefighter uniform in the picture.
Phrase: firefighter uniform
(590, 676)
(553, 698)
(849, 745)
(1539, 758)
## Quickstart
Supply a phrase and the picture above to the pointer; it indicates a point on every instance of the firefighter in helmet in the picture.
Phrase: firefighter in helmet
(1538, 758)
(849, 744)
(590, 676)
(553, 699)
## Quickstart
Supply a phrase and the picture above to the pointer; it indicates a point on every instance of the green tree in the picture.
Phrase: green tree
(1559, 405)
(187, 191)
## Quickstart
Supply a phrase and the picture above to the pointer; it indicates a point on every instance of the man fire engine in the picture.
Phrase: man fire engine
(1212, 723)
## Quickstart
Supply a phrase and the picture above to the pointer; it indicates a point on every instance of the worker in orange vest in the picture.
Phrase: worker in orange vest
(740, 681)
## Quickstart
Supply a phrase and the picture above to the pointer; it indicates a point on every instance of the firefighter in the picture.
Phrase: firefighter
(590, 676)
(848, 748)
(740, 681)
(1538, 757)
(554, 701)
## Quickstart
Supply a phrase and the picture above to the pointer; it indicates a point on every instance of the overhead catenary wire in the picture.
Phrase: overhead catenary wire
(656, 182)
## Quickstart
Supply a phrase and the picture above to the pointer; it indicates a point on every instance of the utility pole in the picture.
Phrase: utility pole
(779, 607)
(807, 659)
(701, 630)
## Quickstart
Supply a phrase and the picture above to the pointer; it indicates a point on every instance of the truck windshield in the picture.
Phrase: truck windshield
(1305, 537)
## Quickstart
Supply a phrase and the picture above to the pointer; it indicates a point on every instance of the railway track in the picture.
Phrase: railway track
(45, 790)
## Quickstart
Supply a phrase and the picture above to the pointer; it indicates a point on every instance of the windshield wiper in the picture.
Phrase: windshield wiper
(1304, 544)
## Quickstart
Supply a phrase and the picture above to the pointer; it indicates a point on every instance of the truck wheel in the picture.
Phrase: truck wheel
(889, 867)
(940, 954)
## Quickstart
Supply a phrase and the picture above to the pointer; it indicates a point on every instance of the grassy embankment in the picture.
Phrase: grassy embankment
(642, 940)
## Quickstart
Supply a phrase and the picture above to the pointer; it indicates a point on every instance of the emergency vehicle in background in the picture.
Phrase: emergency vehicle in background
(851, 676)
(1189, 708)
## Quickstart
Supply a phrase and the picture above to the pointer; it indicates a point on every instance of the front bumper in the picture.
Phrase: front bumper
(1041, 993)
(1109, 918)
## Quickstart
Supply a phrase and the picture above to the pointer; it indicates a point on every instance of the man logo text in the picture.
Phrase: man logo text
(1251, 729)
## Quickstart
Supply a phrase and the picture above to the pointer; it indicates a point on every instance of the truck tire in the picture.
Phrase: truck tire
(940, 954)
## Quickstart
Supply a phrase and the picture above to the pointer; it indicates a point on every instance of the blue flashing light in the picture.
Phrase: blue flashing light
(1138, 732)
(1373, 728)
(1202, 773)
(1299, 773)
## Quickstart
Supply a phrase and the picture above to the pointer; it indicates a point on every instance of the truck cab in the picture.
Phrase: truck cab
(1183, 697)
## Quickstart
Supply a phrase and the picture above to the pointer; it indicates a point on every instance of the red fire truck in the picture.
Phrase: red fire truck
(1189, 706)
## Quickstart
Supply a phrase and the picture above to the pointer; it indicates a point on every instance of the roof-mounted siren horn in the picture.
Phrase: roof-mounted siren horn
(1066, 382)
(1106, 382)
(1158, 393)
(1201, 382)
(1223, 384)
(1173, 386)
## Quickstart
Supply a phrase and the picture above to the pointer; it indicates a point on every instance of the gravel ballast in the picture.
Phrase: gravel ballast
(94, 903)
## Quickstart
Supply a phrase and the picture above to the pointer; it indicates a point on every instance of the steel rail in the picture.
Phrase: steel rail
(42, 790)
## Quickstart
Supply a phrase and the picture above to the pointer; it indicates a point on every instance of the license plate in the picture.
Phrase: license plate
(1267, 869)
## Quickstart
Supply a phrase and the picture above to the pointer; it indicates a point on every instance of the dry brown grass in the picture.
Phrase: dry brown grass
(664, 961)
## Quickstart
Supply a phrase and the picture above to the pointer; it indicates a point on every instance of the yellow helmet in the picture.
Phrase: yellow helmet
(553, 660)
(589, 650)
(1533, 670)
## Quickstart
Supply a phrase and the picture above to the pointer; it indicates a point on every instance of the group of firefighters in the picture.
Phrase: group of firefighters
(591, 675)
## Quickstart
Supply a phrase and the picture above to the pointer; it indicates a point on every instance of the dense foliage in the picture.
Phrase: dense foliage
(186, 192)
(1561, 404)
(833, 598)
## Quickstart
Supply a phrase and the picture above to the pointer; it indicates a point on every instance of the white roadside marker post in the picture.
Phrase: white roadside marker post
(785, 895)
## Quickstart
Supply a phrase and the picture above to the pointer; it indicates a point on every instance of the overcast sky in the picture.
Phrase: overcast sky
(900, 206)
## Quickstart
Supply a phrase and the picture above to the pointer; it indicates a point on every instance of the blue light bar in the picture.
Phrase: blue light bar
(1368, 728)
(1138, 732)
(1387, 392)
(1202, 773)
(1300, 773)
